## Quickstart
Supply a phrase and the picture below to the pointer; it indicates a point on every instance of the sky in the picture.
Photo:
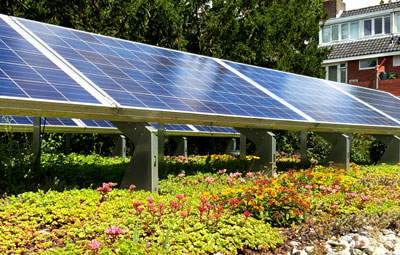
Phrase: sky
(356, 4)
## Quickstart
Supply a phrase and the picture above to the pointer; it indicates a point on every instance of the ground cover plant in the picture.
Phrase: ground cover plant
(226, 212)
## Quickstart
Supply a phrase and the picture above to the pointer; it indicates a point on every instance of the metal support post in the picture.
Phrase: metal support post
(36, 139)
(67, 143)
(181, 150)
(392, 152)
(341, 148)
(303, 145)
(265, 149)
(120, 146)
(143, 167)
(161, 144)
(242, 147)
(231, 148)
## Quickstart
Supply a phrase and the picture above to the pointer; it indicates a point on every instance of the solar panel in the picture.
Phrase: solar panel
(216, 129)
(24, 120)
(142, 76)
(26, 73)
(383, 101)
(314, 97)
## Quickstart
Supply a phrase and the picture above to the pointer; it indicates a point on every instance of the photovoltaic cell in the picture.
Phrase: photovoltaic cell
(98, 123)
(381, 100)
(141, 76)
(216, 129)
(26, 73)
(314, 97)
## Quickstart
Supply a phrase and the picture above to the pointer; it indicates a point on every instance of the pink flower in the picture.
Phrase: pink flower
(150, 200)
(352, 195)
(334, 207)
(140, 209)
(94, 244)
(233, 201)
(365, 198)
(179, 196)
(329, 189)
(235, 175)
(242, 180)
(150, 205)
(184, 214)
(322, 188)
(217, 215)
(209, 179)
(308, 186)
(247, 214)
(222, 171)
(203, 200)
(173, 204)
(249, 174)
(137, 204)
(337, 187)
(113, 230)
(202, 209)
(106, 188)
(181, 175)
(112, 184)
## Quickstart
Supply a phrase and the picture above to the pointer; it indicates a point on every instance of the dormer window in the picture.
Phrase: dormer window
(354, 31)
(377, 26)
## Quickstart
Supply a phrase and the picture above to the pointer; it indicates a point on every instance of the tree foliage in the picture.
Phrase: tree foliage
(279, 34)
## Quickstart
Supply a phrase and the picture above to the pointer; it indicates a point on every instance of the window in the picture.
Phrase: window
(326, 34)
(398, 23)
(354, 32)
(367, 27)
(387, 25)
(344, 31)
(335, 33)
(337, 72)
(332, 73)
(368, 63)
(343, 73)
(396, 61)
(378, 26)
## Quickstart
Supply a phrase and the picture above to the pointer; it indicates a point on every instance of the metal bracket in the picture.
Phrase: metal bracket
(392, 152)
(243, 146)
(120, 146)
(265, 148)
(182, 149)
(341, 148)
(143, 167)
(303, 145)
(36, 138)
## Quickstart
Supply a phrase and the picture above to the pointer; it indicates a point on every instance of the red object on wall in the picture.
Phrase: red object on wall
(366, 78)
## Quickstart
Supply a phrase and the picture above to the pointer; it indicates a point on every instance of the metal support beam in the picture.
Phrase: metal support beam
(120, 146)
(341, 148)
(265, 149)
(36, 139)
(303, 145)
(231, 148)
(143, 167)
(181, 150)
(161, 143)
(243, 142)
(67, 143)
(392, 152)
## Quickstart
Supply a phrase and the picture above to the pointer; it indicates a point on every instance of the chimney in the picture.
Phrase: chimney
(333, 7)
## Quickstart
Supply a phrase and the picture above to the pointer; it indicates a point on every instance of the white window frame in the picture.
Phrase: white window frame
(396, 59)
(366, 68)
(339, 68)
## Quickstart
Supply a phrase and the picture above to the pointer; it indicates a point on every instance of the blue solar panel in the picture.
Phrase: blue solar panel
(26, 73)
(141, 76)
(98, 123)
(314, 97)
(216, 129)
(23, 120)
(381, 100)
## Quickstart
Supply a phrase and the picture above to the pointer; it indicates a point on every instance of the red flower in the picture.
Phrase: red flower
(247, 214)
(202, 209)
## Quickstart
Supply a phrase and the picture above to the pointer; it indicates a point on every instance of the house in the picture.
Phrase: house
(362, 39)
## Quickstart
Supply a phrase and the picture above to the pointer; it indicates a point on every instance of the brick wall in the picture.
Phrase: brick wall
(332, 7)
(366, 78)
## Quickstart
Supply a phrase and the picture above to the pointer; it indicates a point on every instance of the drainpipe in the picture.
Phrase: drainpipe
(377, 73)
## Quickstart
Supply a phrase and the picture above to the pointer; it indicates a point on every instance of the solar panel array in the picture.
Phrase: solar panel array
(138, 76)
(24, 120)
(143, 76)
(25, 72)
